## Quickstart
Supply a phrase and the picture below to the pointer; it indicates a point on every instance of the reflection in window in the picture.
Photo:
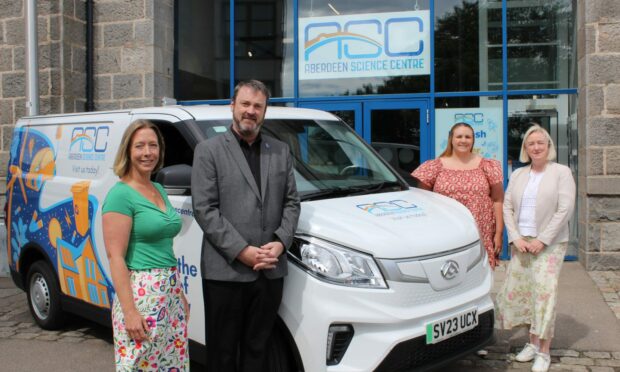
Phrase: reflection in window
(540, 44)
(203, 45)
(263, 44)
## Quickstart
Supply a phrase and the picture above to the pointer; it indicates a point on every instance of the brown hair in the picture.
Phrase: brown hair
(122, 162)
(255, 85)
(448, 150)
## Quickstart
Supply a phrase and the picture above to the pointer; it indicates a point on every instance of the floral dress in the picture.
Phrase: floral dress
(472, 188)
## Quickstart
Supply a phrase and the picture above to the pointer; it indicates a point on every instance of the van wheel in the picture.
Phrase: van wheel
(279, 354)
(44, 296)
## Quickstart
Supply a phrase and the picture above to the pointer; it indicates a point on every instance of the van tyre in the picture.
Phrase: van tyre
(44, 296)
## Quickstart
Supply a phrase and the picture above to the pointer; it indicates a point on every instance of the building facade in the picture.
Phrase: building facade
(400, 72)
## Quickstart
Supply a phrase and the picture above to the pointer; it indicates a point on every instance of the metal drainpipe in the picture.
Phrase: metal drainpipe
(90, 51)
(32, 58)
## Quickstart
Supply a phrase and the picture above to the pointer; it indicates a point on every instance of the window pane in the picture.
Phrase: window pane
(358, 36)
(203, 44)
(541, 54)
(467, 41)
(263, 44)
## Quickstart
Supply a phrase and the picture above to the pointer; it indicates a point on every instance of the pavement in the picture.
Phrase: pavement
(587, 336)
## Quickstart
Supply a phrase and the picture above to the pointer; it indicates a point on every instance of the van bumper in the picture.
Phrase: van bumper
(389, 324)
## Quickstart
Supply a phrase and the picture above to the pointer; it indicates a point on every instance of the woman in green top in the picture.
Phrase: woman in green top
(150, 312)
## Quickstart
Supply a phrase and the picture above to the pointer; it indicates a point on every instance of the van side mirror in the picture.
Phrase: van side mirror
(176, 179)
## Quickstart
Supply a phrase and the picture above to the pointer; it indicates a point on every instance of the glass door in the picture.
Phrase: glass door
(397, 129)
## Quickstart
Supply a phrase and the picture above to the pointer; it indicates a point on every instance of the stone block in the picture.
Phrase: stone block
(594, 237)
(603, 185)
(603, 131)
(119, 10)
(20, 108)
(138, 59)
(55, 82)
(75, 84)
(602, 261)
(11, 8)
(612, 99)
(42, 29)
(595, 161)
(602, 68)
(602, 11)
(137, 103)
(608, 362)
(80, 10)
(55, 29)
(144, 32)
(589, 39)
(103, 87)
(14, 84)
(78, 58)
(1, 33)
(68, 8)
(19, 58)
(609, 37)
(612, 161)
(107, 60)
(7, 136)
(118, 34)
(610, 237)
(6, 59)
(107, 106)
(14, 31)
(74, 31)
(49, 55)
(48, 7)
(44, 83)
(603, 209)
(6, 111)
(127, 86)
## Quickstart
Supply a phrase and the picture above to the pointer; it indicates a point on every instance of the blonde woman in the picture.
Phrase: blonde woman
(150, 312)
(539, 202)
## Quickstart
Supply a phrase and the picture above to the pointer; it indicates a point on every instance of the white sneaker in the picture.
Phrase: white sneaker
(527, 354)
(541, 362)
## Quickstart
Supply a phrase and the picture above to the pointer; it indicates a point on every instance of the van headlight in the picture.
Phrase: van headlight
(337, 264)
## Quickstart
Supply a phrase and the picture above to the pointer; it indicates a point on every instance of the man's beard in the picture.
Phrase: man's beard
(248, 130)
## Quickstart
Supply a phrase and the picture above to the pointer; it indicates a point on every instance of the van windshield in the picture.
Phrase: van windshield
(330, 159)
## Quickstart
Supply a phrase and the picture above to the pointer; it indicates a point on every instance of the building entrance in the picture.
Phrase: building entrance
(397, 129)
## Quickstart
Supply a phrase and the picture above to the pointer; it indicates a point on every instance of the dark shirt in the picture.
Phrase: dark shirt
(252, 155)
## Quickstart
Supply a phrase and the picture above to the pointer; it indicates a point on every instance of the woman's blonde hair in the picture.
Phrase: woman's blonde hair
(523, 156)
(122, 162)
(448, 150)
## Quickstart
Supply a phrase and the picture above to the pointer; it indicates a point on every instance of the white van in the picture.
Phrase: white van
(381, 276)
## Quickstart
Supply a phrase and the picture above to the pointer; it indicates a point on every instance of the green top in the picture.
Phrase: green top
(152, 231)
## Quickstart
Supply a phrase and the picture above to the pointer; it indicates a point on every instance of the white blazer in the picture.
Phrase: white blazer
(555, 202)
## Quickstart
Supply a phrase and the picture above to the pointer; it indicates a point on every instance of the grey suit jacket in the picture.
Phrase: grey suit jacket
(233, 213)
(555, 203)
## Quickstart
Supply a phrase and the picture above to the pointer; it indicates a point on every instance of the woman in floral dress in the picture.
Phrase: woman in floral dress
(540, 199)
(474, 181)
(149, 312)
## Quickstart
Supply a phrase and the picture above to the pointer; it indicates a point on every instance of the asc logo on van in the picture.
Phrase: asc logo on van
(89, 143)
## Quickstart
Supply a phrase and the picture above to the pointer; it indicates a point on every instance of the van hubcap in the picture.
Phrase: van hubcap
(40, 296)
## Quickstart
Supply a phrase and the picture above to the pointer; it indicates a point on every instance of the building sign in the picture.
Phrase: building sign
(488, 130)
(364, 45)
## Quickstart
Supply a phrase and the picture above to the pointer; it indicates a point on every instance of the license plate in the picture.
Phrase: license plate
(451, 326)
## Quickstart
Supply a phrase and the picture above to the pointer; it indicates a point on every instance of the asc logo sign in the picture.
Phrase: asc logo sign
(383, 44)
(89, 143)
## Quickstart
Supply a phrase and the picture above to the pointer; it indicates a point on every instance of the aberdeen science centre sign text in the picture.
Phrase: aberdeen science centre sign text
(364, 45)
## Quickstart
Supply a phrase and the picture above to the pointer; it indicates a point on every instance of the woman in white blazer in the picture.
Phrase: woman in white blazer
(538, 204)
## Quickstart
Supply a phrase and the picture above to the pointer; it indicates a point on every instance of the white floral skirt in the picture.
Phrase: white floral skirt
(157, 297)
(529, 293)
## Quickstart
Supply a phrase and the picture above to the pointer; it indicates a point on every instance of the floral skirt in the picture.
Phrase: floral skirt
(157, 297)
(529, 293)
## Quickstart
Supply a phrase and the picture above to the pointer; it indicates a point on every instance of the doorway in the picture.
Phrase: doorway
(397, 129)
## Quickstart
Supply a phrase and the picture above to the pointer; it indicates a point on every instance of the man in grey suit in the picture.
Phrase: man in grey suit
(245, 200)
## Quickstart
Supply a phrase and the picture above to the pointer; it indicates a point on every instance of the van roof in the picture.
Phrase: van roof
(207, 112)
